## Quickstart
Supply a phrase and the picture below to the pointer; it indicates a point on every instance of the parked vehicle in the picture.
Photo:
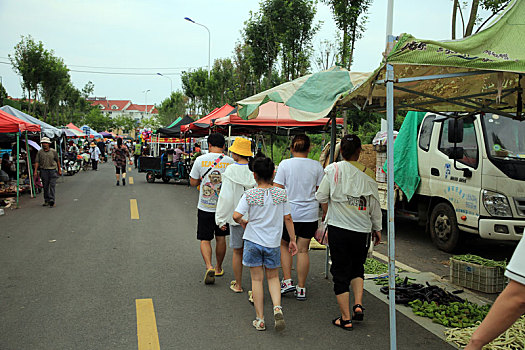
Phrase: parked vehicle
(160, 168)
(472, 171)
(71, 164)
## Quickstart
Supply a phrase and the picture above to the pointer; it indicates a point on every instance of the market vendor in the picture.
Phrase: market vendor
(7, 166)
(48, 163)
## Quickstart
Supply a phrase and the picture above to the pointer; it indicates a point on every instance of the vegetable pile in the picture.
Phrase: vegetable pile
(456, 314)
(407, 292)
(374, 267)
(474, 259)
(512, 339)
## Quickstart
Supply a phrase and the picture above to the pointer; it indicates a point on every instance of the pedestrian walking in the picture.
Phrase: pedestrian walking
(94, 155)
(350, 201)
(120, 156)
(207, 172)
(509, 305)
(236, 179)
(137, 153)
(102, 147)
(300, 176)
(266, 207)
(48, 163)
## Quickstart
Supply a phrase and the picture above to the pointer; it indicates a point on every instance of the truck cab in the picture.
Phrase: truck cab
(472, 171)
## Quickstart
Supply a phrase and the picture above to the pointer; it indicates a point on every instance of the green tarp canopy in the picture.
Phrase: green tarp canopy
(478, 73)
(309, 97)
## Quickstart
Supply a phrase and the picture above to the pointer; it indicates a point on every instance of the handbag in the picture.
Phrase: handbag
(321, 234)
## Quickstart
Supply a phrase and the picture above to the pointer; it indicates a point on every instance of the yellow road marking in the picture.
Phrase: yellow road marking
(148, 337)
(134, 209)
(129, 169)
(131, 180)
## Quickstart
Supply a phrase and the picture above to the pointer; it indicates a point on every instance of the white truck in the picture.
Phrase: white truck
(472, 173)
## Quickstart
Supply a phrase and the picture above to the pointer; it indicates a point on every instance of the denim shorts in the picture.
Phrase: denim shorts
(255, 255)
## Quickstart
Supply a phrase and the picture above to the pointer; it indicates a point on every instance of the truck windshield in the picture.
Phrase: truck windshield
(505, 137)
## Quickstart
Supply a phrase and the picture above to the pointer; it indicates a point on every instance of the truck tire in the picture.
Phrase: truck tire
(150, 177)
(165, 179)
(444, 228)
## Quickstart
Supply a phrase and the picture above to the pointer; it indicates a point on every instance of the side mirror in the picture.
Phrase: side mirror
(455, 153)
(455, 130)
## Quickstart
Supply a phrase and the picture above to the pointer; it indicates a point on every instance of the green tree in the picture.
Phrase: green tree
(3, 94)
(196, 87)
(350, 18)
(150, 122)
(493, 6)
(55, 80)
(88, 89)
(29, 60)
(171, 108)
(98, 121)
(125, 122)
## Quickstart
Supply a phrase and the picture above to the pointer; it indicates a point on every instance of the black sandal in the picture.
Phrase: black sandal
(358, 316)
(343, 324)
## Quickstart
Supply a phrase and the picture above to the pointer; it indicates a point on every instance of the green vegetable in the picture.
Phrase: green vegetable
(374, 267)
(474, 259)
(459, 315)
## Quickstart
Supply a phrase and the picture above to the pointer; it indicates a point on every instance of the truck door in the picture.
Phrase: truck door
(452, 184)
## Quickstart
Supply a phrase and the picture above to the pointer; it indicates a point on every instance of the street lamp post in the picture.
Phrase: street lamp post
(145, 92)
(171, 81)
(209, 42)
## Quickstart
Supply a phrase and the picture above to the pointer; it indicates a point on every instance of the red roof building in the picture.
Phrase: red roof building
(116, 108)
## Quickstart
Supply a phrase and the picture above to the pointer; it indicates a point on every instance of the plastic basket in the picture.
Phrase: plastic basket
(477, 277)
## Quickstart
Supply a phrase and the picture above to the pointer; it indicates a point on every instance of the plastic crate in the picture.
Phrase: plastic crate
(477, 277)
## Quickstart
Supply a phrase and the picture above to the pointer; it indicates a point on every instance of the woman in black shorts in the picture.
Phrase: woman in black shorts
(120, 156)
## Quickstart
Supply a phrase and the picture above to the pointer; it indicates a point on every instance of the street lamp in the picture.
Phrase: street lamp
(209, 42)
(145, 92)
(171, 81)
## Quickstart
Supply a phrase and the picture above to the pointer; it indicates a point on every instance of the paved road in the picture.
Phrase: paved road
(76, 276)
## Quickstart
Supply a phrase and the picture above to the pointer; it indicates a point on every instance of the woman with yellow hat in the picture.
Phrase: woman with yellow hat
(236, 179)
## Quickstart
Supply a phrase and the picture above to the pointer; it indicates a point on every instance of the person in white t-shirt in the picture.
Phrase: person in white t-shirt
(266, 207)
(207, 172)
(509, 305)
(300, 176)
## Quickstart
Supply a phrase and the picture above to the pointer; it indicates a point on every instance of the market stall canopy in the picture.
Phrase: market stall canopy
(275, 116)
(174, 131)
(73, 127)
(74, 133)
(106, 134)
(479, 73)
(90, 132)
(9, 123)
(202, 125)
(309, 97)
(48, 130)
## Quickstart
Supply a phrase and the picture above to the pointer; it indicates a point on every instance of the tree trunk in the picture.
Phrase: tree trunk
(351, 54)
(472, 18)
(454, 14)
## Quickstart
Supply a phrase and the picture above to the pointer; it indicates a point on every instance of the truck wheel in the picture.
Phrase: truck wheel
(150, 177)
(444, 228)
(165, 179)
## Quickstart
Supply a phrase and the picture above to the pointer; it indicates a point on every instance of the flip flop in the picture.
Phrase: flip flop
(220, 273)
(233, 284)
(209, 277)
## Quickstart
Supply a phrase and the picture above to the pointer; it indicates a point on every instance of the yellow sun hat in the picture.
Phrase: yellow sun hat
(242, 147)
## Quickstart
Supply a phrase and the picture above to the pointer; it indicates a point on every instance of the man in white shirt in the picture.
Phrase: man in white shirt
(207, 172)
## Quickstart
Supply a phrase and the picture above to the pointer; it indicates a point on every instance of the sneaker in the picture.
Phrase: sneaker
(279, 318)
(118, 183)
(123, 182)
(51, 204)
(300, 294)
(287, 286)
(45, 204)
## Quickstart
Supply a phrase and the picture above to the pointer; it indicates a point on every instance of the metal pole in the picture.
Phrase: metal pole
(229, 139)
(17, 168)
(333, 132)
(30, 170)
(390, 184)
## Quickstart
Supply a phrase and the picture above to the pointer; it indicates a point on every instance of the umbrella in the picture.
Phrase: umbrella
(309, 97)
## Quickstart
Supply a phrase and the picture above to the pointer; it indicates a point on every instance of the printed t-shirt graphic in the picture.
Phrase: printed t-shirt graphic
(211, 183)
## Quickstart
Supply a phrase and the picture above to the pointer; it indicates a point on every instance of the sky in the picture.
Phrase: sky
(152, 35)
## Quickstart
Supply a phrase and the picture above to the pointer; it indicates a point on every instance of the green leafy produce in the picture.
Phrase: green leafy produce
(374, 267)
(512, 339)
(458, 315)
(399, 280)
(475, 259)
